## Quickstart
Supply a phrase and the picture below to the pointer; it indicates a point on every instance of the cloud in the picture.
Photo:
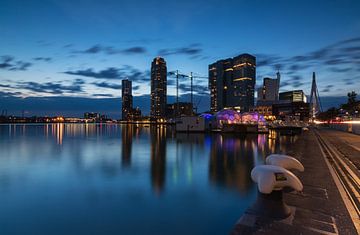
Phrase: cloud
(349, 81)
(46, 59)
(102, 95)
(9, 63)
(50, 87)
(192, 50)
(134, 50)
(327, 88)
(107, 85)
(109, 50)
(123, 72)
(93, 49)
(109, 73)
(339, 57)
(342, 52)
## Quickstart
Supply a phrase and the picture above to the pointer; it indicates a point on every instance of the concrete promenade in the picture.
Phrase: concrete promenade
(320, 208)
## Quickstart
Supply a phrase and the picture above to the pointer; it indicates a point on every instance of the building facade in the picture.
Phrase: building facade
(127, 99)
(232, 83)
(269, 91)
(293, 96)
(158, 89)
(292, 111)
(185, 109)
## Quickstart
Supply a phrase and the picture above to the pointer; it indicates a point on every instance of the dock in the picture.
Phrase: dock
(329, 203)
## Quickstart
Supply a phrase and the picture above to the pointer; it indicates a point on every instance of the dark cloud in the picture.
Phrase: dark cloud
(191, 50)
(109, 50)
(297, 84)
(123, 72)
(50, 87)
(134, 50)
(340, 70)
(297, 78)
(107, 85)
(43, 43)
(9, 63)
(327, 88)
(109, 73)
(6, 94)
(349, 81)
(93, 49)
(284, 83)
(342, 52)
(103, 95)
(340, 57)
(46, 59)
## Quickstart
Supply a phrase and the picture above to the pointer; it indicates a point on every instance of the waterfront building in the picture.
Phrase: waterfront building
(271, 88)
(264, 110)
(293, 96)
(127, 99)
(158, 88)
(185, 109)
(292, 111)
(91, 115)
(135, 114)
(268, 93)
(232, 83)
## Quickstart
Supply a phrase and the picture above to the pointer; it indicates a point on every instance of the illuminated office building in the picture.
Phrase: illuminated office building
(158, 88)
(232, 83)
(293, 96)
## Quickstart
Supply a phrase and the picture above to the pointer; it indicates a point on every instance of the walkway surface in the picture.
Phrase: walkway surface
(319, 209)
(347, 143)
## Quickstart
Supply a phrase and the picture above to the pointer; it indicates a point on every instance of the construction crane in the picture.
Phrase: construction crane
(176, 74)
(179, 75)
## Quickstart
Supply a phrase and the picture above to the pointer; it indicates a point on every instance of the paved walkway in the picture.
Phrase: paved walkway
(347, 143)
(318, 210)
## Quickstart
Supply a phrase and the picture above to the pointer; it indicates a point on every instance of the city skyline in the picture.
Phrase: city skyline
(82, 51)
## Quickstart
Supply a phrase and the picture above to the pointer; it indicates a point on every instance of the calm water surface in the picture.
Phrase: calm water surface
(122, 179)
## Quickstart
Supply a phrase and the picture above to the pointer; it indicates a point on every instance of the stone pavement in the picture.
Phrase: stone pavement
(347, 143)
(319, 209)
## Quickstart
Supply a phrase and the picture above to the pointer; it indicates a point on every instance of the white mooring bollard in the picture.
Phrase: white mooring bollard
(271, 181)
(285, 161)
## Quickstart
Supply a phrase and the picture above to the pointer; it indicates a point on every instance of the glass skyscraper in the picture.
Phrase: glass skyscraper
(158, 88)
(232, 83)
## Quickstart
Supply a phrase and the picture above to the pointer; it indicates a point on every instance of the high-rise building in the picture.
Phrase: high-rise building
(271, 89)
(127, 99)
(269, 92)
(158, 88)
(232, 83)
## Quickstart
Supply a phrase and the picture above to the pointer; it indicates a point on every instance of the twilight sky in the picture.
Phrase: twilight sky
(75, 53)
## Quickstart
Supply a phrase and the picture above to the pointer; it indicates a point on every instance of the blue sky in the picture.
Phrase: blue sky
(83, 49)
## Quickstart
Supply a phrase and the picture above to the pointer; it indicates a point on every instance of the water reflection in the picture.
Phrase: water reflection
(231, 161)
(158, 157)
(127, 135)
(138, 169)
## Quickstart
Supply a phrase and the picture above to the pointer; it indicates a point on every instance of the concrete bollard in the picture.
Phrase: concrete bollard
(271, 181)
